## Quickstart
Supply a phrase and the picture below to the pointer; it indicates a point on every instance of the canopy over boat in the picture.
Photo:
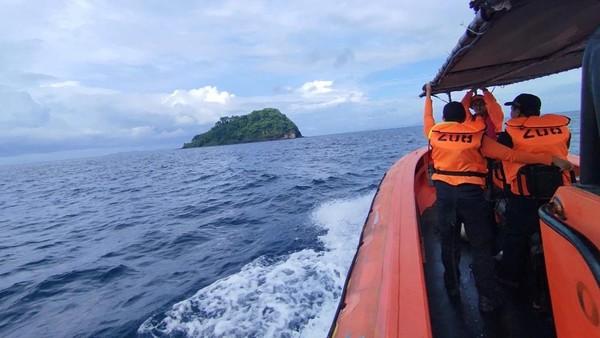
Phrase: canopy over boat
(518, 40)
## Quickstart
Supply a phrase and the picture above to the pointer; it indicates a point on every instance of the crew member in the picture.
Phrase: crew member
(486, 109)
(527, 131)
(457, 151)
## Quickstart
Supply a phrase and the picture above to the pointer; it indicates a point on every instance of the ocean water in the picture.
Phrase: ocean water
(250, 240)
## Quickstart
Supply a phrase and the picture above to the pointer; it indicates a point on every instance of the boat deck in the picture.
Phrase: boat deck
(461, 317)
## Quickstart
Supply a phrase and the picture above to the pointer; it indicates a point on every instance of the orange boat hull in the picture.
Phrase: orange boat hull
(386, 295)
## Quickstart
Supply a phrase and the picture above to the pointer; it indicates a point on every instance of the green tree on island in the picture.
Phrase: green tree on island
(261, 125)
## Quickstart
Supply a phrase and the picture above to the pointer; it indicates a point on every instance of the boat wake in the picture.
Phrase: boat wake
(291, 296)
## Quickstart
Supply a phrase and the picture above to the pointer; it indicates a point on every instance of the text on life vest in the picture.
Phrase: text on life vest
(456, 138)
(541, 132)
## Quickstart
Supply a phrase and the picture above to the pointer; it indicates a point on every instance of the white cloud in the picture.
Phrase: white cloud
(322, 93)
(142, 131)
(62, 84)
(316, 87)
(19, 110)
(196, 96)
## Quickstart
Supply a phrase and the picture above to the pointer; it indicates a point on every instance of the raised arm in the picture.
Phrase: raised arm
(494, 109)
(466, 102)
(428, 120)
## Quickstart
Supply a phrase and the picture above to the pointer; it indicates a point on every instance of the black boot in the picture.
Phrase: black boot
(452, 283)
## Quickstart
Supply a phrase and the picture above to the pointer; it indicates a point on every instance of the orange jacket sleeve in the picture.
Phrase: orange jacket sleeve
(428, 120)
(493, 149)
(466, 102)
(494, 110)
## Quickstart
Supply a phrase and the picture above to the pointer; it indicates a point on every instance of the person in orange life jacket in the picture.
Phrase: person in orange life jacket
(527, 131)
(457, 151)
(486, 109)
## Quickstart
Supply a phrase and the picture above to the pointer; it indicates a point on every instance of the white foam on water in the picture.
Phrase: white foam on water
(293, 296)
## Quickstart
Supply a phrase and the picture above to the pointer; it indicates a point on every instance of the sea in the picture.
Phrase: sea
(247, 240)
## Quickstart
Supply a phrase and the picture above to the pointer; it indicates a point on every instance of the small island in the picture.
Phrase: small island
(261, 125)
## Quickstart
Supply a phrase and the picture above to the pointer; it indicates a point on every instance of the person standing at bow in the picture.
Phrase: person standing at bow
(459, 171)
(486, 109)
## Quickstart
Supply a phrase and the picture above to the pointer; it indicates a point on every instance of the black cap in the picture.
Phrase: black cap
(526, 103)
(454, 111)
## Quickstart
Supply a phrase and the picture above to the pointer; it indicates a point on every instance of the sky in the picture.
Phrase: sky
(84, 78)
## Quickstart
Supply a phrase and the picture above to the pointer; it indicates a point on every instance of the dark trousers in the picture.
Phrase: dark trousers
(466, 203)
(521, 223)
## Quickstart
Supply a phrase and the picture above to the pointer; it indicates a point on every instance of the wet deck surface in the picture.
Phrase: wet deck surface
(460, 317)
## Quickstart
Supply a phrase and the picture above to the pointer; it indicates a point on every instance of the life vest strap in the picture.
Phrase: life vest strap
(460, 173)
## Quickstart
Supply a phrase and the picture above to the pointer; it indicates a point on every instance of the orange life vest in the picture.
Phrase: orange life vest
(455, 153)
(547, 134)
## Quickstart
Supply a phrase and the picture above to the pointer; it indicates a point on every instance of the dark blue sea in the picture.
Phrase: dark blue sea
(249, 240)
